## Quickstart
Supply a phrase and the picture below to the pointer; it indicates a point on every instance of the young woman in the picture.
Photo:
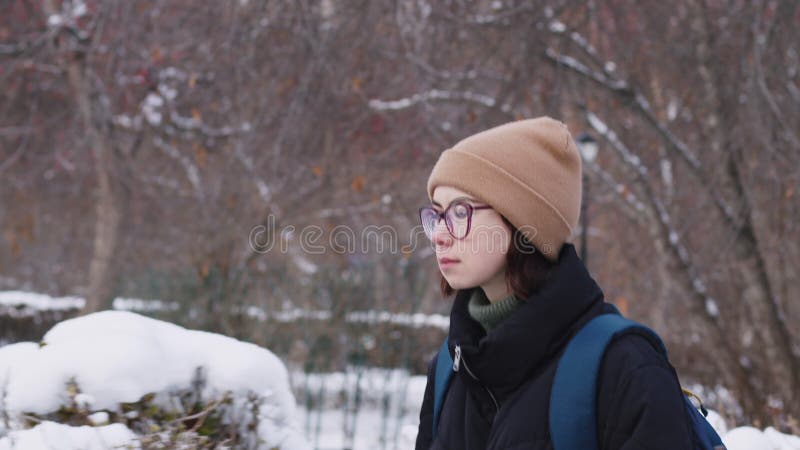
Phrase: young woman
(504, 204)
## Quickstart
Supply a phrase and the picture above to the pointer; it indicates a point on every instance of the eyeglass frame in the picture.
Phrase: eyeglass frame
(443, 216)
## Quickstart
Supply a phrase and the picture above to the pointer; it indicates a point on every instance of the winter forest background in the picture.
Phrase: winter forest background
(257, 167)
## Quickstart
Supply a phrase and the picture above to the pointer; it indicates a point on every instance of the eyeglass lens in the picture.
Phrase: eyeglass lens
(457, 217)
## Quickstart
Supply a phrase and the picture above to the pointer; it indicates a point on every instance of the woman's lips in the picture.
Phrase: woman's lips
(447, 262)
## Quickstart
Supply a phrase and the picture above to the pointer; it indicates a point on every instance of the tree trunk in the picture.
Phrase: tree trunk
(96, 121)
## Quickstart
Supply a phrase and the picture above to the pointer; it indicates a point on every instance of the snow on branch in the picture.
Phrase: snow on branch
(640, 103)
(668, 229)
(158, 110)
(184, 123)
(192, 172)
(628, 156)
(263, 188)
(433, 94)
(501, 17)
(582, 69)
(558, 27)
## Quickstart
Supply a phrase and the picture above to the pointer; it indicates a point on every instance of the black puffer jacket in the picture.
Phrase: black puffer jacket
(505, 404)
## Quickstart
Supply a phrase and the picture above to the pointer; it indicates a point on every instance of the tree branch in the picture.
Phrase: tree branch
(640, 104)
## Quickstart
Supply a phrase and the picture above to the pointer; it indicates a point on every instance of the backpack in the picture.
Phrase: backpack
(573, 424)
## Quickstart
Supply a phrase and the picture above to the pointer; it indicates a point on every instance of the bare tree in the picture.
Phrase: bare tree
(142, 142)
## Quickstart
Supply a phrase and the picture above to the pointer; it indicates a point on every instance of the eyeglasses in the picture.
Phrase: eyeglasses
(457, 217)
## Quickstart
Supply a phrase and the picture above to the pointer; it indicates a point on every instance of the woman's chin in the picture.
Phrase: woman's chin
(460, 284)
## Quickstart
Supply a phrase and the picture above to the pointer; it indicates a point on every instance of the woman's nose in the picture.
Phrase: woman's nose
(441, 236)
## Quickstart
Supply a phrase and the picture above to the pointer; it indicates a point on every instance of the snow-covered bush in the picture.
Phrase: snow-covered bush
(121, 377)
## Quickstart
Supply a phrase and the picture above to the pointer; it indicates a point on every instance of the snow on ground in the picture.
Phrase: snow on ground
(119, 356)
(362, 408)
(369, 429)
(395, 427)
(749, 438)
(55, 436)
(31, 301)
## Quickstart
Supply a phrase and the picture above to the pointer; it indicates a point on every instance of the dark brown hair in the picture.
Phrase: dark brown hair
(526, 270)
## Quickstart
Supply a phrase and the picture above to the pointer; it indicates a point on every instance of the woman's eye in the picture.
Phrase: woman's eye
(460, 211)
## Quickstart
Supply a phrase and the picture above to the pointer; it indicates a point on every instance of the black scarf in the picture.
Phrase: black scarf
(535, 333)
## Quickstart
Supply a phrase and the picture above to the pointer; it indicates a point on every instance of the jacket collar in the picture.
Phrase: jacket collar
(527, 340)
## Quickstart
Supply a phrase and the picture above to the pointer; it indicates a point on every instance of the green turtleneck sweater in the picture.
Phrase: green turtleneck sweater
(490, 314)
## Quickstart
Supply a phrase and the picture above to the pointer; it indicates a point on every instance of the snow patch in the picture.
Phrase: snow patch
(52, 435)
(151, 108)
(557, 26)
(711, 308)
(113, 357)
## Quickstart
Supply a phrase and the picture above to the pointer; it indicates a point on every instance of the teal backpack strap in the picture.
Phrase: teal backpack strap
(573, 423)
(444, 371)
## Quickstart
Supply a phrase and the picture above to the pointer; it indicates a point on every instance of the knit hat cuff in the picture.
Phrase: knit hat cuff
(507, 195)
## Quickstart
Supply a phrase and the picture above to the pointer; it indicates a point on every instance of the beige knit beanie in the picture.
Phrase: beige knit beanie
(529, 171)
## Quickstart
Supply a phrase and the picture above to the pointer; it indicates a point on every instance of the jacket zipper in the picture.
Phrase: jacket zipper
(457, 361)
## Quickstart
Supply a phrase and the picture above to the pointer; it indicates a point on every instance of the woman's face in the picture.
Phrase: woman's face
(479, 259)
